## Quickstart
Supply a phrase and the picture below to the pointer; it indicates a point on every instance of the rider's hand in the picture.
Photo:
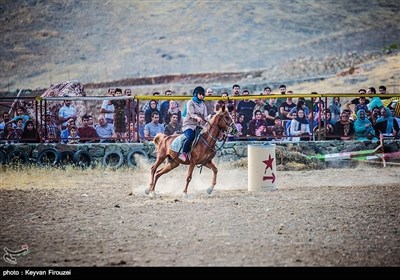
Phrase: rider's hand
(198, 119)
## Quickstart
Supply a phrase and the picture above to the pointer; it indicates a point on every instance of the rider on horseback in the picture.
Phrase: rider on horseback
(196, 113)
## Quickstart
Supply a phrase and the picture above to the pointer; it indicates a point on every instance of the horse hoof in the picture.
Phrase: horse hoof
(185, 196)
(147, 191)
(152, 194)
(210, 190)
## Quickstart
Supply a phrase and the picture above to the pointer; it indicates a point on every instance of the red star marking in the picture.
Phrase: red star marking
(268, 163)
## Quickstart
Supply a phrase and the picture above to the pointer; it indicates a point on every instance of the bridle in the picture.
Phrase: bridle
(229, 127)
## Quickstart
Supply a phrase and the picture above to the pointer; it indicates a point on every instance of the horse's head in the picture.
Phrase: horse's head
(226, 122)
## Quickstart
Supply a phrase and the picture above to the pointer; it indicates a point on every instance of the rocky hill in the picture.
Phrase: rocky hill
(46, 42)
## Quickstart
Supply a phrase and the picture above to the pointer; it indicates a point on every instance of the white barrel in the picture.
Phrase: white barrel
(261, 167)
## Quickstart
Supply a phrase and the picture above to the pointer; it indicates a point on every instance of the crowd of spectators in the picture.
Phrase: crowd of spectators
(280, 117)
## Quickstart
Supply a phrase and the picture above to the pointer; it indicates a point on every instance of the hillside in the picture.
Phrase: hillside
(45, 42)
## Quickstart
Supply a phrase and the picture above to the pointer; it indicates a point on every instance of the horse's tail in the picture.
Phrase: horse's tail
(159, 137)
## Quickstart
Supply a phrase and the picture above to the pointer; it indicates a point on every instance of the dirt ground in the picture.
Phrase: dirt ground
(330, 217)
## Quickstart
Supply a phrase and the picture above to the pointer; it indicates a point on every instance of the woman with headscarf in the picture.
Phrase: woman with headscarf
(30, 133)
(196, 113)
(363, 127)
(300, 127)
(386, 125)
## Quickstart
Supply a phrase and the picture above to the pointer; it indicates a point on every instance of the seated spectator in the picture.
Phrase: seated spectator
(326, 130)
(51, 129)
(173, 109)
(8, 132)
(151, 129)
(241, 125)
(86, 132)
(30, 133)
(65, 132)
(256, 123)
(149, 112)
(73, 137)
(363, 127)
(344, 128)
(21, 114)
(105, 130)
(107, 108)
(386, 124)
(173, 127)
(278, 131)
(300, 127)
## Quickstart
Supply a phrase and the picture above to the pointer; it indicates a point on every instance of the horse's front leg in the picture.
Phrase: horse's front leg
(212, 166)
(189, 177)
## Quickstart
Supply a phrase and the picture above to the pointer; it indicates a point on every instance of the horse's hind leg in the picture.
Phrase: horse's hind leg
(188, 178)
(167, 168)
(153, 172)
(212, 166)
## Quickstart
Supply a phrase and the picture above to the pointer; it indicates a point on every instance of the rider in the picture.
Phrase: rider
(196, 113)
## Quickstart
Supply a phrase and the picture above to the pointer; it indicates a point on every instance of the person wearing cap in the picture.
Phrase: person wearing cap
(196, 113)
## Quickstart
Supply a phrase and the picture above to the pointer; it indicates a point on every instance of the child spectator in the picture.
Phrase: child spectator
(278, 130)
(73, 137)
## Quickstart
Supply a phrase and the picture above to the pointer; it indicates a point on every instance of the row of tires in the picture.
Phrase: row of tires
(53, 157)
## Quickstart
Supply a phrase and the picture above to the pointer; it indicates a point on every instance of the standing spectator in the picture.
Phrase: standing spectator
(271, 111)
(66, 112)
(51, 130)
(355, 101)
(335, 108)
(246, 107)
(139, 127)
(119, 115)
(285, 108)
(146, 106)
(21, 114)
(209, 103)
(107, 108)
(164, 106)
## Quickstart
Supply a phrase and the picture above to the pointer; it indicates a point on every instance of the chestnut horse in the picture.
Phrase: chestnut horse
(202, 153)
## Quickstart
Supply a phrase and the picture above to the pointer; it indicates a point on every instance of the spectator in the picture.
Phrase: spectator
(86, 132)
(105, 130)
(246, 107)
(278, 131)
(152, 128)
(173, 127)
(173, 109)
(119, 116)
(66, 112)
(356, 101)
(73, 137)
(344, 128)
(335, 109)
(30, 133)
(363, 127)
(386, 124)
(256, 123)
(65, 132)
(300, 127)
(149, 112)
(107, 108)
(146, 106)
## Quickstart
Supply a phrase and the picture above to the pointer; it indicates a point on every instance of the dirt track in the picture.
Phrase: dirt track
(331, 217)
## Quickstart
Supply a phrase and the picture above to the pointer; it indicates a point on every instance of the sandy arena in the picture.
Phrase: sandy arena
(331, 217)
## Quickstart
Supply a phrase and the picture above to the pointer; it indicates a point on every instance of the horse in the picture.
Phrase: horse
(202, 153)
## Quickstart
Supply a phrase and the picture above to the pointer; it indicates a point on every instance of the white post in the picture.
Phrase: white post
(261, 167)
